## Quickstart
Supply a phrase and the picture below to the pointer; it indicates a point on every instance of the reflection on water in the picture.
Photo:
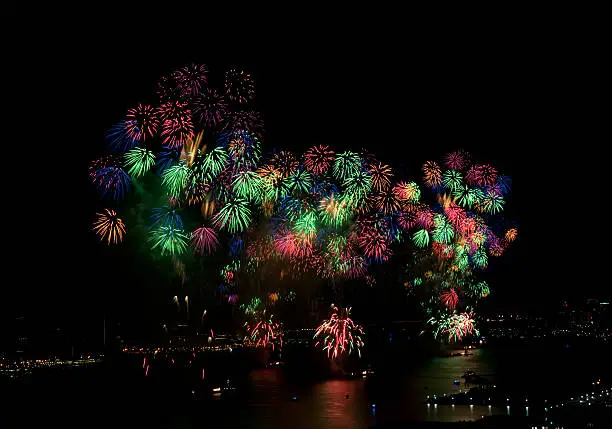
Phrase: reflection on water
(360, 403)
(330, 403)
(280, 397)
(398, 394)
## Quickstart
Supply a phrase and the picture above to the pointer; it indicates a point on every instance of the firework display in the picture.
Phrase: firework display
(339, 335)
(261, 327)
(207, 190)
(264, 331)
(456, 237)
(455, 325)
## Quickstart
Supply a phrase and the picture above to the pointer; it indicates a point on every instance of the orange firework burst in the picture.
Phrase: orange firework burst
(109, 227)
(511, 235)
(433, 174)
(381, 176)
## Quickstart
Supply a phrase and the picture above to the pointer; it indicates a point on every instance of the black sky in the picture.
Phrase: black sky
(525, 102)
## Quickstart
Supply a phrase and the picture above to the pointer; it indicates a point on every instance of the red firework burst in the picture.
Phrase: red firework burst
(450, 298)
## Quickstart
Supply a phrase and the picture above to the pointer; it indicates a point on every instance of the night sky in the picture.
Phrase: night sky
(523, 105)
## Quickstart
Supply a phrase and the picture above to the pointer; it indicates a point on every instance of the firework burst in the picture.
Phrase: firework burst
(141, 123)
(118, 139)
(190, 80)
(381, 176)
(346, 165)
(234, 216)
(210, 108)
(239, 86)
(458, 160)
(139, 161)
(318, 159)
(450, 298)
(455, 326)
(339, 335)
(111, 181)
(204, 240)
(168, 240)
(109, 227)
(284, 163)
(264, 331)
(433, 174)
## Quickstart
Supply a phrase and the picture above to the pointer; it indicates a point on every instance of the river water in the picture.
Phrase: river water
(281, 398)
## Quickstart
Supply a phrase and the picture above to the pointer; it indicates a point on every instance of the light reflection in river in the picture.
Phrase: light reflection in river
(345, 403)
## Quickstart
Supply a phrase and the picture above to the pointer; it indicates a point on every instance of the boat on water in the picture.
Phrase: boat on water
(472, 378)
(469, 374)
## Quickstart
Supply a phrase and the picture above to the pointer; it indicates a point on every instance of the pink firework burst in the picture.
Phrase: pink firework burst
(176, 132)
(407, 192)
(204, 240)
(318, 159)
(467, 226)
(374, 244)
(172, 110)
(293, 245)
(168, 89)
(407, 218)
(425, 217)
(264, 332)
(210, 108)
(244, 121)
(488, 175)
(142, 122)
(462, 325)
(302, 265)
(177, 126)
(190, 80)
(239, 86)
(481, 175)
(355, 267)
(339, 335)
(457, 160)
(455, 214)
